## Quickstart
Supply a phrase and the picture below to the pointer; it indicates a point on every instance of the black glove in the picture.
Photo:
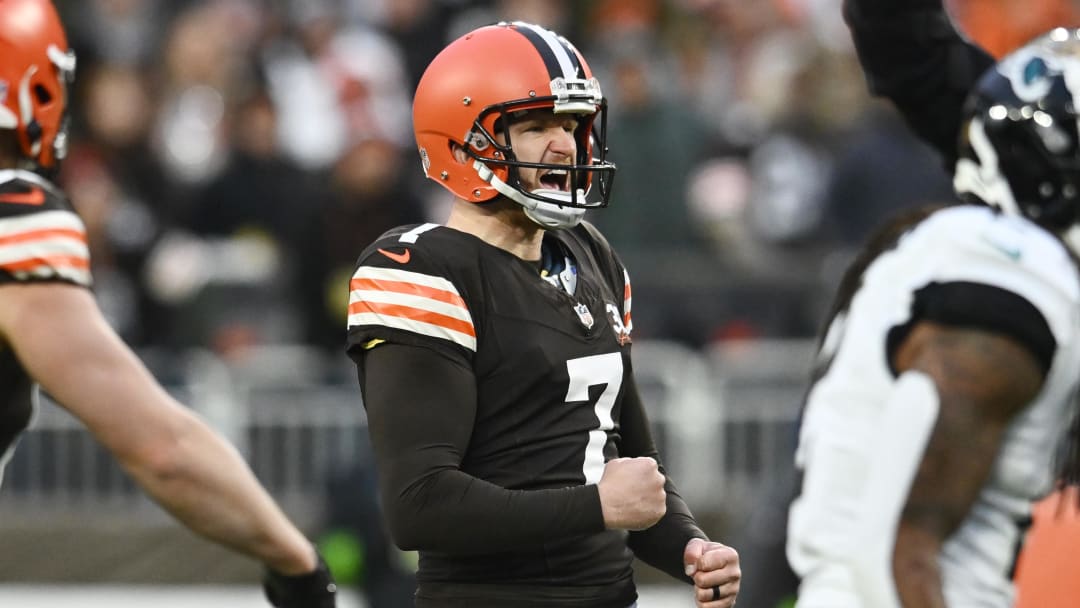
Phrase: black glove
(313, 590)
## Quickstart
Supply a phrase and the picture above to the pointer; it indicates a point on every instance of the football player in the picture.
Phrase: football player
(948, 370)
(53, 334)
(493, 352)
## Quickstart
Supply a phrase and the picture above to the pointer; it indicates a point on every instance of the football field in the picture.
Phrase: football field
(225, 596)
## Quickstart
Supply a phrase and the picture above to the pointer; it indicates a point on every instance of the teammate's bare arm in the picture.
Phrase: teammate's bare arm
(60, 337)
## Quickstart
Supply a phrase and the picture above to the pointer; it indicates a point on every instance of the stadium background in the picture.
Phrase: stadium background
(232, 157)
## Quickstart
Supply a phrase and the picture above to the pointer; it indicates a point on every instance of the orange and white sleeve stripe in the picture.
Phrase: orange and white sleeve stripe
(628, 321)
(410, 301)
(45, 245)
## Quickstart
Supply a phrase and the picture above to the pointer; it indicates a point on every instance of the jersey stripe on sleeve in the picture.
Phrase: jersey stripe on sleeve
(628, 322)
(410, 301)
(46, 245)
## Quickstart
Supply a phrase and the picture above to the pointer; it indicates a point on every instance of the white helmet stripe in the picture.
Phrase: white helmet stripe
(7, 118)
(560, 50)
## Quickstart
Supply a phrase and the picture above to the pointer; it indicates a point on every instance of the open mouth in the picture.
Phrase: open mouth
(556, 179)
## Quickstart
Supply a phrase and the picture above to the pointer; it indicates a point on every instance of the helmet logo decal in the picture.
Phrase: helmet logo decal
(1030, 75)
(1032, 72)
(1036, 68)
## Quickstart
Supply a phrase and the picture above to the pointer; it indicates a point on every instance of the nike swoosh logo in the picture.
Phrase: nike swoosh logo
(400, 258)
(35, 196)
(1013, 253)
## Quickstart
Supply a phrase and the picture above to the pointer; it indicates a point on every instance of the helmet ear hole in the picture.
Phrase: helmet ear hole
(42, 94)
(457, 151)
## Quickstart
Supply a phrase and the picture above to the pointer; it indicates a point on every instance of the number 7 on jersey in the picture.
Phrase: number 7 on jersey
(584, 372)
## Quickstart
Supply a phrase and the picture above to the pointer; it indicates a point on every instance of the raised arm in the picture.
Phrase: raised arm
(912, 55)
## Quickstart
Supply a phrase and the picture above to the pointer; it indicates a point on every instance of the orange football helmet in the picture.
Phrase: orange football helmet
(469, 91)
(36, 68)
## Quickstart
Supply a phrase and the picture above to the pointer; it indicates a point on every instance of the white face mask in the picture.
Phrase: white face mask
(548, 215)
(551, 215)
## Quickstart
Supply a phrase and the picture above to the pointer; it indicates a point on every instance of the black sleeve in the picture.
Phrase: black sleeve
(420, 431)
(912, 55)
(980, 306)
(662, 545)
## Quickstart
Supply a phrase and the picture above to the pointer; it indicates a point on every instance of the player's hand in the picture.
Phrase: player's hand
(315, 589)
(716, 573)
(632, 494)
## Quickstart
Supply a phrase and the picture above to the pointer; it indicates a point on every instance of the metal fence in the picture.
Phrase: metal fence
(723, 418)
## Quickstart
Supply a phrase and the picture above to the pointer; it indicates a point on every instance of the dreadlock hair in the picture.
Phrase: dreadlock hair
(884, 238)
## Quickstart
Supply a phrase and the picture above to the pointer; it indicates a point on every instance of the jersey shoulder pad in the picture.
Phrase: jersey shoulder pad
(979, 245)
(41, 236)
(983, 242)
(590, 236)
(405, 288)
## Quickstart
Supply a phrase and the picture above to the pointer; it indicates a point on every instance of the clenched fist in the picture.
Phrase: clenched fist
(716, 572)
(632, 493)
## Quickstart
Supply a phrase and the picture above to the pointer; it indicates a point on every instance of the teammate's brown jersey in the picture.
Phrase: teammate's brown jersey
(41, 240)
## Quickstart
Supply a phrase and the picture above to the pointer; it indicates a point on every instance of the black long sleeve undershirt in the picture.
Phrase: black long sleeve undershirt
(912, 55)
(420, 432)
(662, 545)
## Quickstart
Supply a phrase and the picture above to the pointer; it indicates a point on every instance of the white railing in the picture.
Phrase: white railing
(723, 419)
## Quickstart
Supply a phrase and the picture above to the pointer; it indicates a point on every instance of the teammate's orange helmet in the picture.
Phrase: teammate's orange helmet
(470, 91)
(36, 67)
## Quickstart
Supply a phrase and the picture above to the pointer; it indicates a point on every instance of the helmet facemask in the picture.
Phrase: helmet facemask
(496, 162)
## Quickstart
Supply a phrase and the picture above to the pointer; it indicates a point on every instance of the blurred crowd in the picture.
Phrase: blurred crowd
(231, 158)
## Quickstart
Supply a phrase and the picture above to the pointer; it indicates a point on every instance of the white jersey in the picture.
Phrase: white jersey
(962, 246)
